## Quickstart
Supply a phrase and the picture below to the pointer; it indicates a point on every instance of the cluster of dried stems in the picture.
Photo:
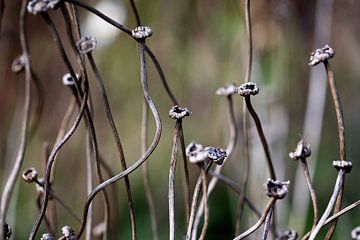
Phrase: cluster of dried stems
(196, 201)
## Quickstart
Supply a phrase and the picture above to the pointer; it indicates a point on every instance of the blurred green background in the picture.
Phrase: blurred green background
(201, 45)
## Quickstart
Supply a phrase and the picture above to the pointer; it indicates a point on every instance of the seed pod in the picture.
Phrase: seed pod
(86, 44)
(39, 6)
(29, 175)
(247, 89)
(343, 165)
(177, 112)
(302, 151)
(141, 32)
(276, 189)
(321, 55)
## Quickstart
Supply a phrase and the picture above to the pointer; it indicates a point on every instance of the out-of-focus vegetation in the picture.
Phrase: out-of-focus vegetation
(202, 45)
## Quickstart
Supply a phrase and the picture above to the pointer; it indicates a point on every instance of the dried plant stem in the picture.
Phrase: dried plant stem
(39, 90)
(135, 11)
(205, 201)
(342, 145)
(145, 156)
(89, 185)
(261, 135)
(330, 205)
(311, 190)
(11, 180)
(268, 207)
(117, 140)
(145, 170)
(218, 168)
(267, 224)
(172, 172)
(250, 41)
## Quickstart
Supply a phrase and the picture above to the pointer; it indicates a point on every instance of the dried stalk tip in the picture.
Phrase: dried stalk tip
(321, 55)
(195, 152)
(7, 231)
(47, 236)
(276, 189)
(141, 32)
(217, 155)
(247, 89)
(39, 6)
(29, 175)
(227, 90)
(302, 151)
(68, 233)
(18, 64)
(343, 165)
(86, 44)
(355, 233)
(68, 80)
(289, 234)
(177, 112)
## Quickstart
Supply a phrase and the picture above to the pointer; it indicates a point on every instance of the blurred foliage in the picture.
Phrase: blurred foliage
(201, 45)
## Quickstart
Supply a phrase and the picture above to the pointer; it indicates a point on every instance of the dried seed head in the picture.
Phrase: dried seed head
(86, 44)
(195, 152)
(69, 233)
(247, 89)
(29, 175)
(289, 234)
(355, 233)
(216, 154)
(18, 64)
(343, 165)
(141, 32)
(177, 112)
(276, 189)
(321, 55)
(227, 90)
(38, 6)
(68, 80)
(302, 151)
(47, 236)
(7, 231)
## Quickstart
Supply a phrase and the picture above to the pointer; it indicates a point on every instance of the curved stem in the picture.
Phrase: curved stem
(250, 42)
(11, 180)
(267, 224)
(268, 207)
(135, 11)
(261, 135)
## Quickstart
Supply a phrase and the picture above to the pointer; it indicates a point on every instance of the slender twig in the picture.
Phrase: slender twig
(342, 145)
(311, 190)
(172, 171)
(145, 169)
(267, 225)
(206, 207)
(11, 180)
(89, 185)
(268, 207)
(330, 205)
(145, 156)
(135, 11)
(117, 140)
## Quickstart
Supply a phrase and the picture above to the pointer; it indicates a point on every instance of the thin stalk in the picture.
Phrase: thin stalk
(311, 190)
(229, 150)
(172, 172)
(2, 8)
(135, 11)
(267, 224)
(262, 136)
(330, 205)
(89, 186)
(39, 90)
(117, 140)
(206, 207)
(268, 207)
(145, 156)
(145, 170)
(11, 180)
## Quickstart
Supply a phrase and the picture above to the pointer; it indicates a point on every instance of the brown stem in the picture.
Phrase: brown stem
(206, 207)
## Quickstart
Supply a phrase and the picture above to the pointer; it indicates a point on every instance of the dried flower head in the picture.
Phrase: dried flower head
(302, 151)
(141, 32)
(355, 233)
(68, 80)
(247, 89)
(343, 165)
(38, 6)
(18, 64)
(276, 189)
(29, 175)
(177, 112)
(7, 231)
(321, 55)
(86, 44)
(217, 155)
(69, 233)
(227, 90)
(195, 152)
(289, 234)
(47, 236)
